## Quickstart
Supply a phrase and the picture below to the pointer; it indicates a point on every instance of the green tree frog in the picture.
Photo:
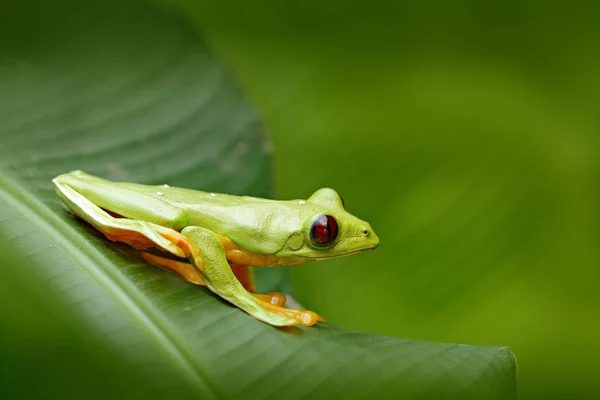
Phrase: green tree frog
(213, 238)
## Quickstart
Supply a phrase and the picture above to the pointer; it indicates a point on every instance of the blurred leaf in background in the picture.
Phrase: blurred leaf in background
(129, 91)
(467, 133)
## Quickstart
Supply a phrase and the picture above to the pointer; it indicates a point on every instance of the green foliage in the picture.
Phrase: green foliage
(128, 91)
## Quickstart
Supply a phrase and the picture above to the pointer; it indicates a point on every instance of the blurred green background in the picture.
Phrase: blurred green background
(467, 134)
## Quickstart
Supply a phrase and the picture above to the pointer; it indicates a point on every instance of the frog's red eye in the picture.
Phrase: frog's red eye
(324, 230)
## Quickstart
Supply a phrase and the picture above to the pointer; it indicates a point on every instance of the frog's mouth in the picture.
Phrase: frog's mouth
(301, 259)
(341, 255)
(304, 252)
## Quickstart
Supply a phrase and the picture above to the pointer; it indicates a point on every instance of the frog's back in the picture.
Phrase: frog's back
(256, 224)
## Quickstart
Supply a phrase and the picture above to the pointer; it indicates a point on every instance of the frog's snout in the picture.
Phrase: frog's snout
(371, 238)
(375, 242)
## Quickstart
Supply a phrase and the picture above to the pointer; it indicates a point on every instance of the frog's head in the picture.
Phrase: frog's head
(327, 230)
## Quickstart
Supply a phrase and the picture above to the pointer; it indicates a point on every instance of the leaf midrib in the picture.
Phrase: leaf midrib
(113, 284)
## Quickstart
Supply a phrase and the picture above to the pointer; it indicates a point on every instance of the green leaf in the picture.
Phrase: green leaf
(129, 91)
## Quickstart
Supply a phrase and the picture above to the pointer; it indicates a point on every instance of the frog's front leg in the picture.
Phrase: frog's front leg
(207, 254)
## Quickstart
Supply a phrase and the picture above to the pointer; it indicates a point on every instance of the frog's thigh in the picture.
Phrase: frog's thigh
(138, 234)
(123, 200)
(219, 277)
(185, 270)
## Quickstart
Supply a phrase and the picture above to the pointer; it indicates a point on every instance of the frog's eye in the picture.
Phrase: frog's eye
(324, 230)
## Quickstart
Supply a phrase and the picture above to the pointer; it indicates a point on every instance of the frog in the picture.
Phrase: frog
(215, 239)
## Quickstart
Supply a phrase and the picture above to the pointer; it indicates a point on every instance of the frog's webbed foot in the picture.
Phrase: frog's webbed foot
(211, 264)
(303, 317)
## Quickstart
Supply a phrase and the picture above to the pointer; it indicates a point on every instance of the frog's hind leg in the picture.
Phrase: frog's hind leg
(245, 276)
(139, 234)
(128, 200)
(188, 272)
(185, 270)
(243, 273)
(211, 264)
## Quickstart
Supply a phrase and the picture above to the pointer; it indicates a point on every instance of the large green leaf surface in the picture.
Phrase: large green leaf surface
(129, 91)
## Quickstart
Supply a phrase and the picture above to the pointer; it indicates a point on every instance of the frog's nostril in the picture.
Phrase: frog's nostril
(365, 231)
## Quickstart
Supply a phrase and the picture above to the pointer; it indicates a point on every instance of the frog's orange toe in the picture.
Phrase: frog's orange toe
(273, 298)
(309, 318)
(301, 317)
